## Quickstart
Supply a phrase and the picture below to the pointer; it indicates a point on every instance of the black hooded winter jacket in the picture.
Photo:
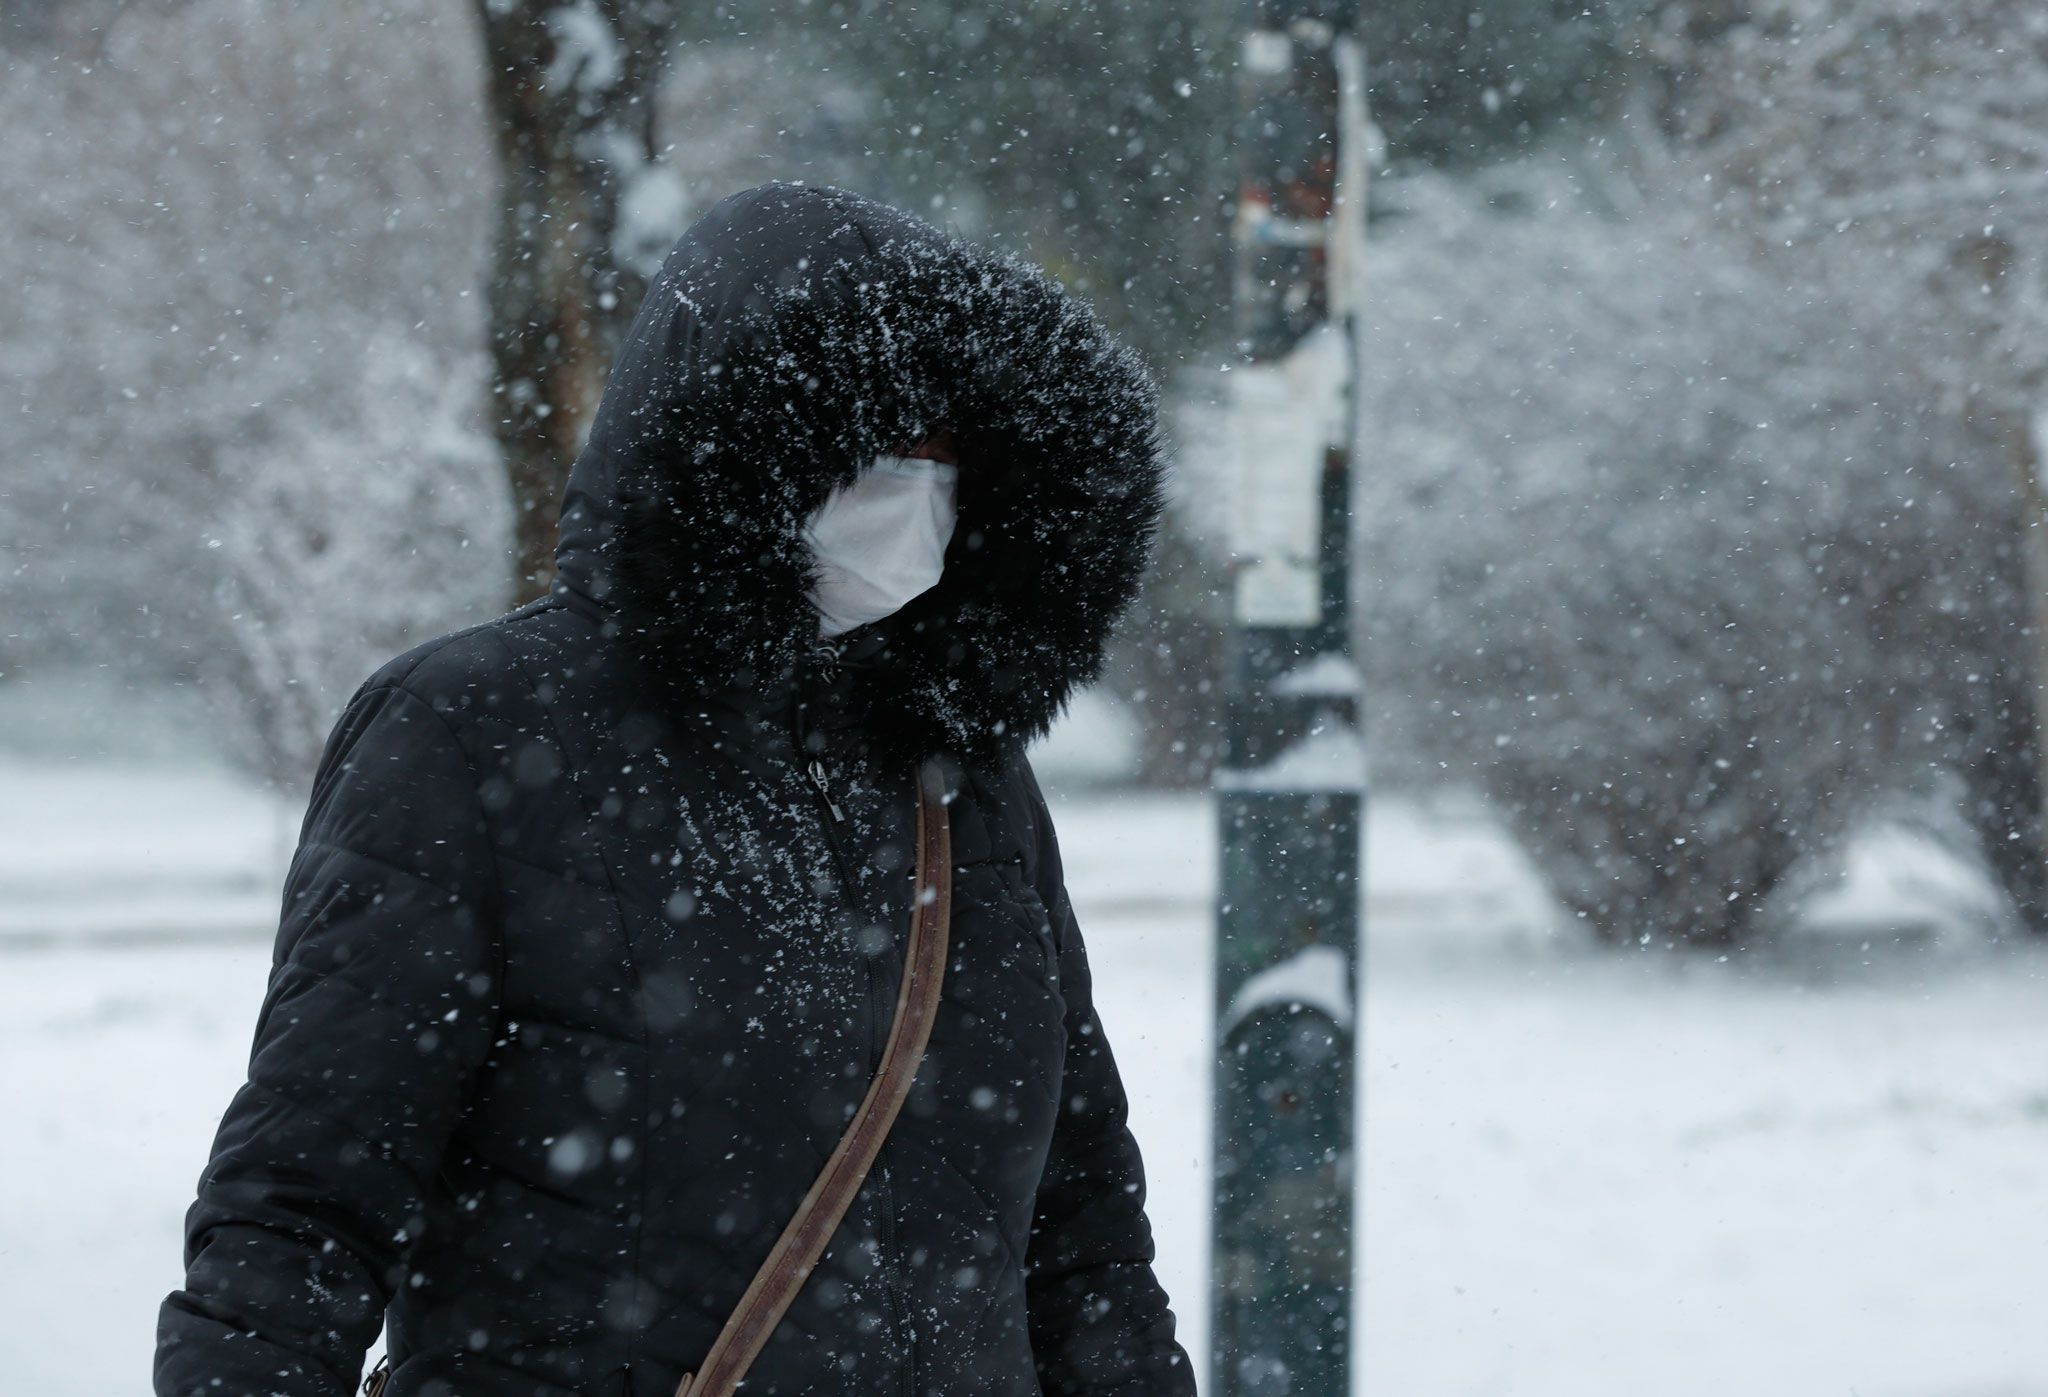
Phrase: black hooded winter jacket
(594, 931)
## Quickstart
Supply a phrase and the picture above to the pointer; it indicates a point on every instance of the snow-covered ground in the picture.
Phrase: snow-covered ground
(1578, 1175)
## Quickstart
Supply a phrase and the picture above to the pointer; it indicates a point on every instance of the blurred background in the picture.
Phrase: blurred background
(1700, 588)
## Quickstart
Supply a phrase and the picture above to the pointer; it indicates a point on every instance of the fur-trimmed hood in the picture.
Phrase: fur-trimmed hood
(794, 334)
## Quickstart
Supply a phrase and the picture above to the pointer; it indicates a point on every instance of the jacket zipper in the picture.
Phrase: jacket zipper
(824, 785)
(880, 1014)
(821, 782)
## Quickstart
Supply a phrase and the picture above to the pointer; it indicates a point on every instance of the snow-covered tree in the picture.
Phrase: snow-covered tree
(734, 114)
(1457, 86)
(242, 361)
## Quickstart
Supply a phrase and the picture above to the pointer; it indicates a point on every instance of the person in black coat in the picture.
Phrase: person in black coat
(594, 930)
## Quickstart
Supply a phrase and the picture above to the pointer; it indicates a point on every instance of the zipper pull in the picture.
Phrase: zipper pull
(825, 789)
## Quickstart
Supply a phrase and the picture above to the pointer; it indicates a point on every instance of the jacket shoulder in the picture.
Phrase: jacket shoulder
(467, 671)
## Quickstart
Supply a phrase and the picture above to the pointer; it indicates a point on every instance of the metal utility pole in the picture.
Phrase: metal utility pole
(1291, 793)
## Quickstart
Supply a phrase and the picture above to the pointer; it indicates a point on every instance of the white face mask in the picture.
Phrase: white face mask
(881, 540)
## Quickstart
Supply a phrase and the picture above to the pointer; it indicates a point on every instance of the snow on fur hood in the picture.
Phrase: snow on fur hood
(794, 334)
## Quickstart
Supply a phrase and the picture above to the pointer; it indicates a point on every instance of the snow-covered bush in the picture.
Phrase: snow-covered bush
(1648, 553)
(1893, 151)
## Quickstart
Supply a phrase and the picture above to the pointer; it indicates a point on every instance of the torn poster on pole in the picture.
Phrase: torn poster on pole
(1289, 413)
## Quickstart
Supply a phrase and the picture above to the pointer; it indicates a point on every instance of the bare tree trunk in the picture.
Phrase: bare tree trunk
(572, 92)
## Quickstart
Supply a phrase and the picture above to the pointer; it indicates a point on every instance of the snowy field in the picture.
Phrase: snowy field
(1579, 1176)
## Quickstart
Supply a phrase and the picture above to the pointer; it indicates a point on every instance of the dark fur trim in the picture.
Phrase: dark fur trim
(1059, 498)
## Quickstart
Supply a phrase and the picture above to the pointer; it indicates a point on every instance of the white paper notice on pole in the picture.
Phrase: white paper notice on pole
(1287, 414)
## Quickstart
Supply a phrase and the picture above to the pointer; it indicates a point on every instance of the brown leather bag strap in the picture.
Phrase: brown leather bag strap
(803, 1241)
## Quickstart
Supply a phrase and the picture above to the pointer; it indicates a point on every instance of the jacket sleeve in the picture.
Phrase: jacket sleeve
(382, 1003)
(1099, 1319)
